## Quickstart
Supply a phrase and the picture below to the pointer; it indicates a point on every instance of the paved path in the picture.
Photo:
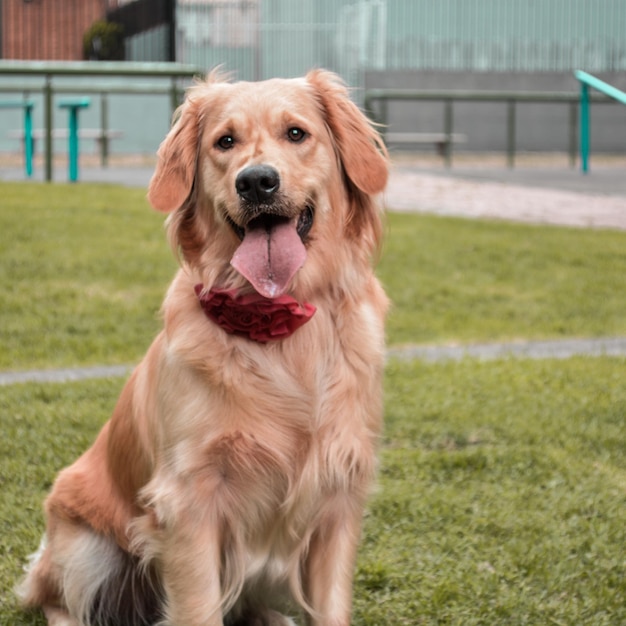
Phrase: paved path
(555, 349)
(548, 349)
(64, 375)
(563, 197)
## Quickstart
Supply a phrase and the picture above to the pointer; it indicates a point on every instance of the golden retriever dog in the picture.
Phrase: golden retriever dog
(228, 487)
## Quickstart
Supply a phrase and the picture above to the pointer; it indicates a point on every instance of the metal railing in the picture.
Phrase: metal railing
(588, 81)
(48, 71)
(511, 98)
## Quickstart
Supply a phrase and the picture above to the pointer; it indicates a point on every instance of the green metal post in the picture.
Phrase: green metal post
(73, 106)
(510, 141)
(573, 125)
(28, 138)
(73, 144)
(104, 127)
(174, 94)
(584, 127)
(48, 124)
(383, 113)
(448, 122)
(586, 81)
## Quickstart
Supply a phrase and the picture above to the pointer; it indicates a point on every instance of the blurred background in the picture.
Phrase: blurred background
(487, 45)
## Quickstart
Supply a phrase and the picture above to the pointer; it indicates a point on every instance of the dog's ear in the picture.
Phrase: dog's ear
(173, 177)
(361, 150)
(362, 154)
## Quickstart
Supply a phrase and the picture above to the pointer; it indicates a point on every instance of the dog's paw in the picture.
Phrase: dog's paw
(277, 619)
(59, 617)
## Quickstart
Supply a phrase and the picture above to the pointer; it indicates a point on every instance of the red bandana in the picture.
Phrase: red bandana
(254, 316)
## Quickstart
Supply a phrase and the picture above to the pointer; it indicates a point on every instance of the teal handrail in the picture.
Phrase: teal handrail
(587, 81)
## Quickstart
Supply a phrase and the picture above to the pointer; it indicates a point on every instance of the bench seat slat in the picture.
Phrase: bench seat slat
(63, 133)
(425, 137)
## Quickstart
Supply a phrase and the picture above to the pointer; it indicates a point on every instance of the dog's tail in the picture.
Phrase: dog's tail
(95, 582)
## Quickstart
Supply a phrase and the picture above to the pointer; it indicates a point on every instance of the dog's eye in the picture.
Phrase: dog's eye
(226, 142)
(296, 134)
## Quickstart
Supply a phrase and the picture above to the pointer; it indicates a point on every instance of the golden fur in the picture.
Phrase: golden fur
(229, 484)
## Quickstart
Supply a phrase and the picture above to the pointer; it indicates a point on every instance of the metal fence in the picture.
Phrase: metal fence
(263, 38)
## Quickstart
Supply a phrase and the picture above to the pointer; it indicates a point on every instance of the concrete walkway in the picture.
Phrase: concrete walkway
(64, 375)
(555, 349)
(539, 195)
(548, 349)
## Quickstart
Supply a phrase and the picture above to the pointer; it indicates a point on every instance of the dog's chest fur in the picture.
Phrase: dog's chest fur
(264, 441)
(260, 453)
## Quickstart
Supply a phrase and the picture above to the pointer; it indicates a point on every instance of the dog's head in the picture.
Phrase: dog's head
(271, 182)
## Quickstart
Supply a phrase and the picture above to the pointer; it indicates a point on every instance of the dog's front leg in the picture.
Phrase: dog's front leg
(329, 569)
(191, 574)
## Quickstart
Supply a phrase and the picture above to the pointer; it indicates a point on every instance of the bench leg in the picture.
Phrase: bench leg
(29, 144)
(102, 146)
(73, 144)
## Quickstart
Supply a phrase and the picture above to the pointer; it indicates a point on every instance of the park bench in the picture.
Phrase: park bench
(73, 133)
(99, 135)
(441, 141)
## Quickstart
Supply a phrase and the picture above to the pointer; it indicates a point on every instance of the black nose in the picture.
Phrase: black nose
(257, 183)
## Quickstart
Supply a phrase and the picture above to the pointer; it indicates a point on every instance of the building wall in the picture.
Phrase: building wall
(47, 29)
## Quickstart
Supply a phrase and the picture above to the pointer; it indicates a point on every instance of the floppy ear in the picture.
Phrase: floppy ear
(173, 178)
(360, 147)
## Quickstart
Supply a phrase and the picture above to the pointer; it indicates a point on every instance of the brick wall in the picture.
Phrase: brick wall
(47, 29)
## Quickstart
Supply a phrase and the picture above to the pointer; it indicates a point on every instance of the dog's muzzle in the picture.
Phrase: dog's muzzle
(262, 204)
(273, 231)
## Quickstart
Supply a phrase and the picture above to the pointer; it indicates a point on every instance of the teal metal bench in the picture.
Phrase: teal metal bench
(27, 106)
(586, 81)
(98, 135)
(50, 71)
(73, 107)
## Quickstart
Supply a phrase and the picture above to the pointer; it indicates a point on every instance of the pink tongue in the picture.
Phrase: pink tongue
(270, 257)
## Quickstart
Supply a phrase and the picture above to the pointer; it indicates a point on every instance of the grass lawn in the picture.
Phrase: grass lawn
(502, 486)
(475, 280)
(84, 268)
(501, 498)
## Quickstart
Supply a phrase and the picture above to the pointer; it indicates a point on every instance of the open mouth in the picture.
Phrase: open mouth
(272, 249)
(268, 219)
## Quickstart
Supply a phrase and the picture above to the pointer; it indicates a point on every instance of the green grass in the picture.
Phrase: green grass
(44, 428)
(84, 269)
(501, 498)
(474, 280)
(502, 488)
